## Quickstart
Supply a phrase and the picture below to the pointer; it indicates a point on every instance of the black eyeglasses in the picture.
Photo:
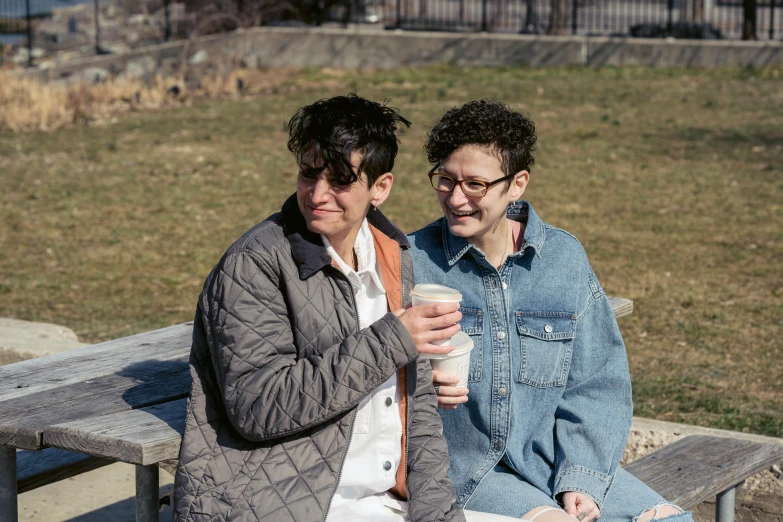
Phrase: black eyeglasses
(472, 188)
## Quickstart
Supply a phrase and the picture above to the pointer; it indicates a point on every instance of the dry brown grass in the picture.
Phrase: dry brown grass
(29, 105)
(672, 180)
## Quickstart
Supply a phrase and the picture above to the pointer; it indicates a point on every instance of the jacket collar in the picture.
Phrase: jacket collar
(456, 247)
(309, 251)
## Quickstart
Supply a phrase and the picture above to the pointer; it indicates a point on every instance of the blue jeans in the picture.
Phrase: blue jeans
(504, 492)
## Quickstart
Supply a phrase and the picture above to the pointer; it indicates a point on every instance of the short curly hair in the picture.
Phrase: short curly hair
(331, 129)
(489, 123)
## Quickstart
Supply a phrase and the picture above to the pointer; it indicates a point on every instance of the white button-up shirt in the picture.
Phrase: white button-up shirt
(375, 449)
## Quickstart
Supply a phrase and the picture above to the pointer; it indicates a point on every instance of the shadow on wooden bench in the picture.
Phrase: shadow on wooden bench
(39, 468)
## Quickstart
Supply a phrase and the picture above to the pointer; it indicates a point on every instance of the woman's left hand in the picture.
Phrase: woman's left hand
(449, 394)
(580, 506)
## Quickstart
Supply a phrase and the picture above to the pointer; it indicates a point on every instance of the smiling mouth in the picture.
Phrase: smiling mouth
(319, 210)
(463, 213)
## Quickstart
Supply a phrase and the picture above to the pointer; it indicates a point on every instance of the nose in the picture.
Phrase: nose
(319, 193)
(457, 197)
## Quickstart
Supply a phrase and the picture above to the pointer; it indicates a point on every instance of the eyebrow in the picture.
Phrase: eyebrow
(311, 169)
(471, 177)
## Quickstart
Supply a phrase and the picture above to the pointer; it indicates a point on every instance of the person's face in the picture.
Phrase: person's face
(474, 218)
(338, 211)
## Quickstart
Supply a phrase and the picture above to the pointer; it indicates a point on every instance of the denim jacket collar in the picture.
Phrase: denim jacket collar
(309, 251)
(520, 210)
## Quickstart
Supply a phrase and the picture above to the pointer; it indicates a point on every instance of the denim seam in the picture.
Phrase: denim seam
(586, 471)
(581, 316)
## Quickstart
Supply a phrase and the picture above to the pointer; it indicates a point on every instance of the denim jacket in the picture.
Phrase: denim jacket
(550, 390)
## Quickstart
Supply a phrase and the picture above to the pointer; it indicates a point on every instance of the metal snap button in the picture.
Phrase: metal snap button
(501, 335)
(548, 328)
(505, 286)
(387, 465)
(502, 391)
(498, 445)
(388, 401)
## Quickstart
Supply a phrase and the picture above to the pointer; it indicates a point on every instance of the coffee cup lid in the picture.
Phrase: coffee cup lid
(436, 292)
(461, 342)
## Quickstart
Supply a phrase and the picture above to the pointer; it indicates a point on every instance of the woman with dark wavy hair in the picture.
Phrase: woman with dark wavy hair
(309, 400)
(543, 429)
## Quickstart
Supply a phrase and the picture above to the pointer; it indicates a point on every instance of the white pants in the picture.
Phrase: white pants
(390, 514)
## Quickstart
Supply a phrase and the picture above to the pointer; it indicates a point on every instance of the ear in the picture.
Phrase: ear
(381, 188)
(518, 185)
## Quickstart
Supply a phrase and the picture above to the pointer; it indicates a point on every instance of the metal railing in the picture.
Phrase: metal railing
(99, 26)
(704, 19)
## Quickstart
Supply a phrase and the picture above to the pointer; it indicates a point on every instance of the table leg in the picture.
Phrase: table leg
(9, 508)
(724, 506)
(147, 491)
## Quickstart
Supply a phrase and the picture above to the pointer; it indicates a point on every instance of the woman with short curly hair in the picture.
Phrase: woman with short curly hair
(550, 405)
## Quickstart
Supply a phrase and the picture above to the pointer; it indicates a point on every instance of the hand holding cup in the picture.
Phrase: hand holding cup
(430, 325)
(450, 392)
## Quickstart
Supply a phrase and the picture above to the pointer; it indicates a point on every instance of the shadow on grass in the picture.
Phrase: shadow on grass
(122, 511)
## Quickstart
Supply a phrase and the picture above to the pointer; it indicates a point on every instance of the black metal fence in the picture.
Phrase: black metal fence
(704, 19)
(44, 26)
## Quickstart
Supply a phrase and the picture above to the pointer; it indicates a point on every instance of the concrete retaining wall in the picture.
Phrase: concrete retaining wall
(373, 49)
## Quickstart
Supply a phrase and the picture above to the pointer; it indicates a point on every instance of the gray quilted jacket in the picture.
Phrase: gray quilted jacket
(279, 365)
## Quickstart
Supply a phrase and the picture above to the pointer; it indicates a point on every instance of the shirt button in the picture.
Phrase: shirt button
(388, 401)
(387, 465)
(502, 391)
(498, 445)
(505, 286)
(501, 335)
(548, 328)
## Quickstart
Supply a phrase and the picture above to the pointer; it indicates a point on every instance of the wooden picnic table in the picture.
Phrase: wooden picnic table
(122, 400)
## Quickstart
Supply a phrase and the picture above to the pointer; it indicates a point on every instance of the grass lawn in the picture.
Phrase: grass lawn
(672, 180)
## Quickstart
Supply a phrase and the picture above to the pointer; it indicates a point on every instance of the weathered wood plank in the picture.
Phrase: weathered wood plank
(142, 437)
(39, 468)
(23, 419)
(696, 468)
(621, 306)
(62, 369)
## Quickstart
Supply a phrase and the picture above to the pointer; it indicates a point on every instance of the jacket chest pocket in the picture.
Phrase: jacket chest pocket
(472, 323)
(546, 339)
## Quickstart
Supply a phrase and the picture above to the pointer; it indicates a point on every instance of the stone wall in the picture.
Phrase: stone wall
(373, 49)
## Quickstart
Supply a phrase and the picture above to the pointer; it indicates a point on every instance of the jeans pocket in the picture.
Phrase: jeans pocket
(472, 323)
(545, 339)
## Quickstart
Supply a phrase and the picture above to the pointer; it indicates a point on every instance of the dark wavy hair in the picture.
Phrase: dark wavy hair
(509, 134)
(331, 129)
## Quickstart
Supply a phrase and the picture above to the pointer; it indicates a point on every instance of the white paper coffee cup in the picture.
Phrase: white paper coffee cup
(426, 293)
(457, 362)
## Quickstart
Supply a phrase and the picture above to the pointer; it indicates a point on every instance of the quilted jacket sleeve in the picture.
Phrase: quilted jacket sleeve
(268, 389)
(431, 496)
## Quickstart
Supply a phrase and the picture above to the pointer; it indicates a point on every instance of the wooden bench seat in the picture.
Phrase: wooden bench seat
(686, 472)
(143, 437)
(700, 467)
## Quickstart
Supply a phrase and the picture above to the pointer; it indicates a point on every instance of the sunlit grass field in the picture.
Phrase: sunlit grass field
(672, 180)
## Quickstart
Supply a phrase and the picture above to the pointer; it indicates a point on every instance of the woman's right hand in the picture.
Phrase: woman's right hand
(431, 322)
